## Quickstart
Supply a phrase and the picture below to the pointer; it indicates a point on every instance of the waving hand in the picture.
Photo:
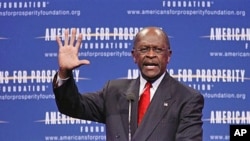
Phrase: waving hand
(68, 53)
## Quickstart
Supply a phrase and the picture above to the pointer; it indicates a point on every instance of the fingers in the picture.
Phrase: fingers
(70, 40)
(73, 37)
(84, 62)
(59, 42)
(66, 40)
(78, 42)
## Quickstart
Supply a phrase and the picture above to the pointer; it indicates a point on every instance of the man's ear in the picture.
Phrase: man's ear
(133, 55)
(169, 56)
(169, 59)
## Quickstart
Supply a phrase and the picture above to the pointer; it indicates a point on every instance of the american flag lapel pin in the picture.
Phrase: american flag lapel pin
(165, 104)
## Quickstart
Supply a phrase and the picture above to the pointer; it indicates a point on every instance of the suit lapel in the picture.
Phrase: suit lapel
(157, 108)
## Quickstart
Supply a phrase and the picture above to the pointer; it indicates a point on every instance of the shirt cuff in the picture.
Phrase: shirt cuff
(60, 81)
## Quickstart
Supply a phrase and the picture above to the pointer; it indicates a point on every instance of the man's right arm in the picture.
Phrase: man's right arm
(58, 81)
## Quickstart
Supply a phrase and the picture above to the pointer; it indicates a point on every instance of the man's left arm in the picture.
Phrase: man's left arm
(190, 124)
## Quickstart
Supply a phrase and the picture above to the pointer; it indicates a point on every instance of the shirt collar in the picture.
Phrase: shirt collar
(155, 84)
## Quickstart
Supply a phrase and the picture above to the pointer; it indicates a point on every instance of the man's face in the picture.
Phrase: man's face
(151, 53)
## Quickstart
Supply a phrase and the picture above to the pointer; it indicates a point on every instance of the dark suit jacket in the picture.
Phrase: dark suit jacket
(174, 114)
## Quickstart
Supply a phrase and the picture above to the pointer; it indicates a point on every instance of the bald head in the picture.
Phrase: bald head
(154, 31)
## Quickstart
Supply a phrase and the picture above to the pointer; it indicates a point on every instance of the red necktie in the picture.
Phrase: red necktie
(144, 102)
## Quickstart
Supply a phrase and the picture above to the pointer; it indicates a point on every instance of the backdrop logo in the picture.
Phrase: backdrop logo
(97, 34)
(98, 41)
(25, 81)
(28, 85)
(57, 118)
(229, 34)
(201, 75)
(23, 4)
(201, 79)
(186, 3)
(229, 117)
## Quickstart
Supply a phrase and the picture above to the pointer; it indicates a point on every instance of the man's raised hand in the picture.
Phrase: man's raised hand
(68, 53)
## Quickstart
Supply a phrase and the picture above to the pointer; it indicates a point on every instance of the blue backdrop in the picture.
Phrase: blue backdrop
(210, 42)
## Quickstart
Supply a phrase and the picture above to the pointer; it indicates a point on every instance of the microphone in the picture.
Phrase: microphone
(130, 98)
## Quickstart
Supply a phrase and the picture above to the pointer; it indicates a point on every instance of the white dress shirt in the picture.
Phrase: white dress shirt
(153, 88)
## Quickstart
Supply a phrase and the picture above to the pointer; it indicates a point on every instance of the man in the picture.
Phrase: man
(174, 113)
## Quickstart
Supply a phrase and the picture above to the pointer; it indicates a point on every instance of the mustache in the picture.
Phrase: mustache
(150, 62)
